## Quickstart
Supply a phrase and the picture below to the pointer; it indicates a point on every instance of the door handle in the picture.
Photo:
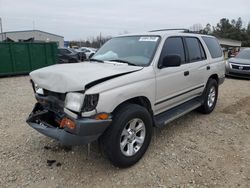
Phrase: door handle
(208, 67)
(186, 73)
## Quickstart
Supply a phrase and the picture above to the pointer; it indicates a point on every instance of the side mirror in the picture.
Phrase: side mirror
(171, 61)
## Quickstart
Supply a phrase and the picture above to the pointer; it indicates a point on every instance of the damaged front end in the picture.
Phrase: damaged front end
(51, 118)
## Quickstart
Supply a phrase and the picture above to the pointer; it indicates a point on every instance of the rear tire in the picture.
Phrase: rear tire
(129, 135)
(210, 96)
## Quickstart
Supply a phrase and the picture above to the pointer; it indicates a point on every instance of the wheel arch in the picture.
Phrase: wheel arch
(215, 77)
(140, 100)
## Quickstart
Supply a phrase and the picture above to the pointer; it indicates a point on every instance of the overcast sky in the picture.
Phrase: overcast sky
(80, 19)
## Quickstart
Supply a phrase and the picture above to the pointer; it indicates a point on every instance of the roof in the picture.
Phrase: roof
(23, 31)
(164, 32)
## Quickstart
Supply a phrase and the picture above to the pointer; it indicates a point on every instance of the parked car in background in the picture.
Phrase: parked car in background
(88, 51)
(239, 66)
(68, 55)
(82, 56)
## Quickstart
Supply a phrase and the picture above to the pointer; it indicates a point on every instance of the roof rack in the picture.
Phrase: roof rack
(178, 29)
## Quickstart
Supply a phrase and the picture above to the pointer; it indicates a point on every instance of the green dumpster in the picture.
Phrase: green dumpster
(22, 58)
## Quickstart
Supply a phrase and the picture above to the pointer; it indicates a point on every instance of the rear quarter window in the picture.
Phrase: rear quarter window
(213, 46)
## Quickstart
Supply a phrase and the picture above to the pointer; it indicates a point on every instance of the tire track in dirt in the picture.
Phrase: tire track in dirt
(242, 106)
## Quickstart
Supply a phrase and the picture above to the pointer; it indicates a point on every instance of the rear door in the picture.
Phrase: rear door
(216, 59)
(198, 65)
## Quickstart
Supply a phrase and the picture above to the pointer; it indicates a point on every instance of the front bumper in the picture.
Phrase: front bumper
(237, 73)
(87, 130)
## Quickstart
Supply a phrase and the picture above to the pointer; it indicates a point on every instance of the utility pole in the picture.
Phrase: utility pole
(1, 25)
(33, 25)
(100, 40)
(33, 30)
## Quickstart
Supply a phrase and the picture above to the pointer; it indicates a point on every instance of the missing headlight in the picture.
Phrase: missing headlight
(36, 88)
(90, 102)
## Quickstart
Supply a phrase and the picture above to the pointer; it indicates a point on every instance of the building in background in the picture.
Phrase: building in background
(229, 46)
(32, 36)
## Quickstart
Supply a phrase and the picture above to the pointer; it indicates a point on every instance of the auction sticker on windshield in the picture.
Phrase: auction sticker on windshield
(149, 39)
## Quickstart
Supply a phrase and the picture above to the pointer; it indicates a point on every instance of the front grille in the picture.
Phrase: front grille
(241, 67)
(42, 115)
(52, 101)
(60, 96)
(239, 74)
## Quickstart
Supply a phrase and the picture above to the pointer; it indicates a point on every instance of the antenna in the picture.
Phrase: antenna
(177, 29)
(33, 24)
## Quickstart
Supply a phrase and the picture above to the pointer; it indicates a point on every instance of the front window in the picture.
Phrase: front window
(63, 51)
(136, 50)
(244, 54)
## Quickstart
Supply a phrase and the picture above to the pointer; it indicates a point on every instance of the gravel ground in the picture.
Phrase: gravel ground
(193, 151)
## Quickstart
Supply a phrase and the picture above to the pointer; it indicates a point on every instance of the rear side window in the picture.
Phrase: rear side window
(195, 49)
(174, 46)
(213, 46)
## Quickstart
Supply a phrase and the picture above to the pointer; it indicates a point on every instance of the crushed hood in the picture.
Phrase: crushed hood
(64, 78)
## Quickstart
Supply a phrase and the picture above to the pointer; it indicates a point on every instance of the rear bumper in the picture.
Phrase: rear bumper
(87, 130)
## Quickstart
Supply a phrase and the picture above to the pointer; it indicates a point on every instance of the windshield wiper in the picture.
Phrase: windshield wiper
(98, 60)
(123, 61)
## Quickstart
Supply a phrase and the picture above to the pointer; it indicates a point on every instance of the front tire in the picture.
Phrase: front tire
(128, 138)
(210, 96)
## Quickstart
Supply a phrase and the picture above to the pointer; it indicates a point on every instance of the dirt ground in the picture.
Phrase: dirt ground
(193, 151)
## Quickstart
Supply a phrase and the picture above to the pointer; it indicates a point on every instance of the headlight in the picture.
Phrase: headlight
(74, 101)
(38, 90)
(90, 102)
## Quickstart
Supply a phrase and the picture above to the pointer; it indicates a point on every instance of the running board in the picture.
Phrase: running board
(176, 112)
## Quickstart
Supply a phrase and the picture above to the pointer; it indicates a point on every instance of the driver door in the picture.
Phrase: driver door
(172, 83)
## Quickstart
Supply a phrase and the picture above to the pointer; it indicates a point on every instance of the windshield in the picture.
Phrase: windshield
(136, 50)
(244, 54)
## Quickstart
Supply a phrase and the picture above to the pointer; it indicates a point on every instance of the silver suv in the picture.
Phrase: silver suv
(133, 83)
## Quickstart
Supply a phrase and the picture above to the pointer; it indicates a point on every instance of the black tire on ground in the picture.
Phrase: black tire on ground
(110, 140)
(206, 108)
